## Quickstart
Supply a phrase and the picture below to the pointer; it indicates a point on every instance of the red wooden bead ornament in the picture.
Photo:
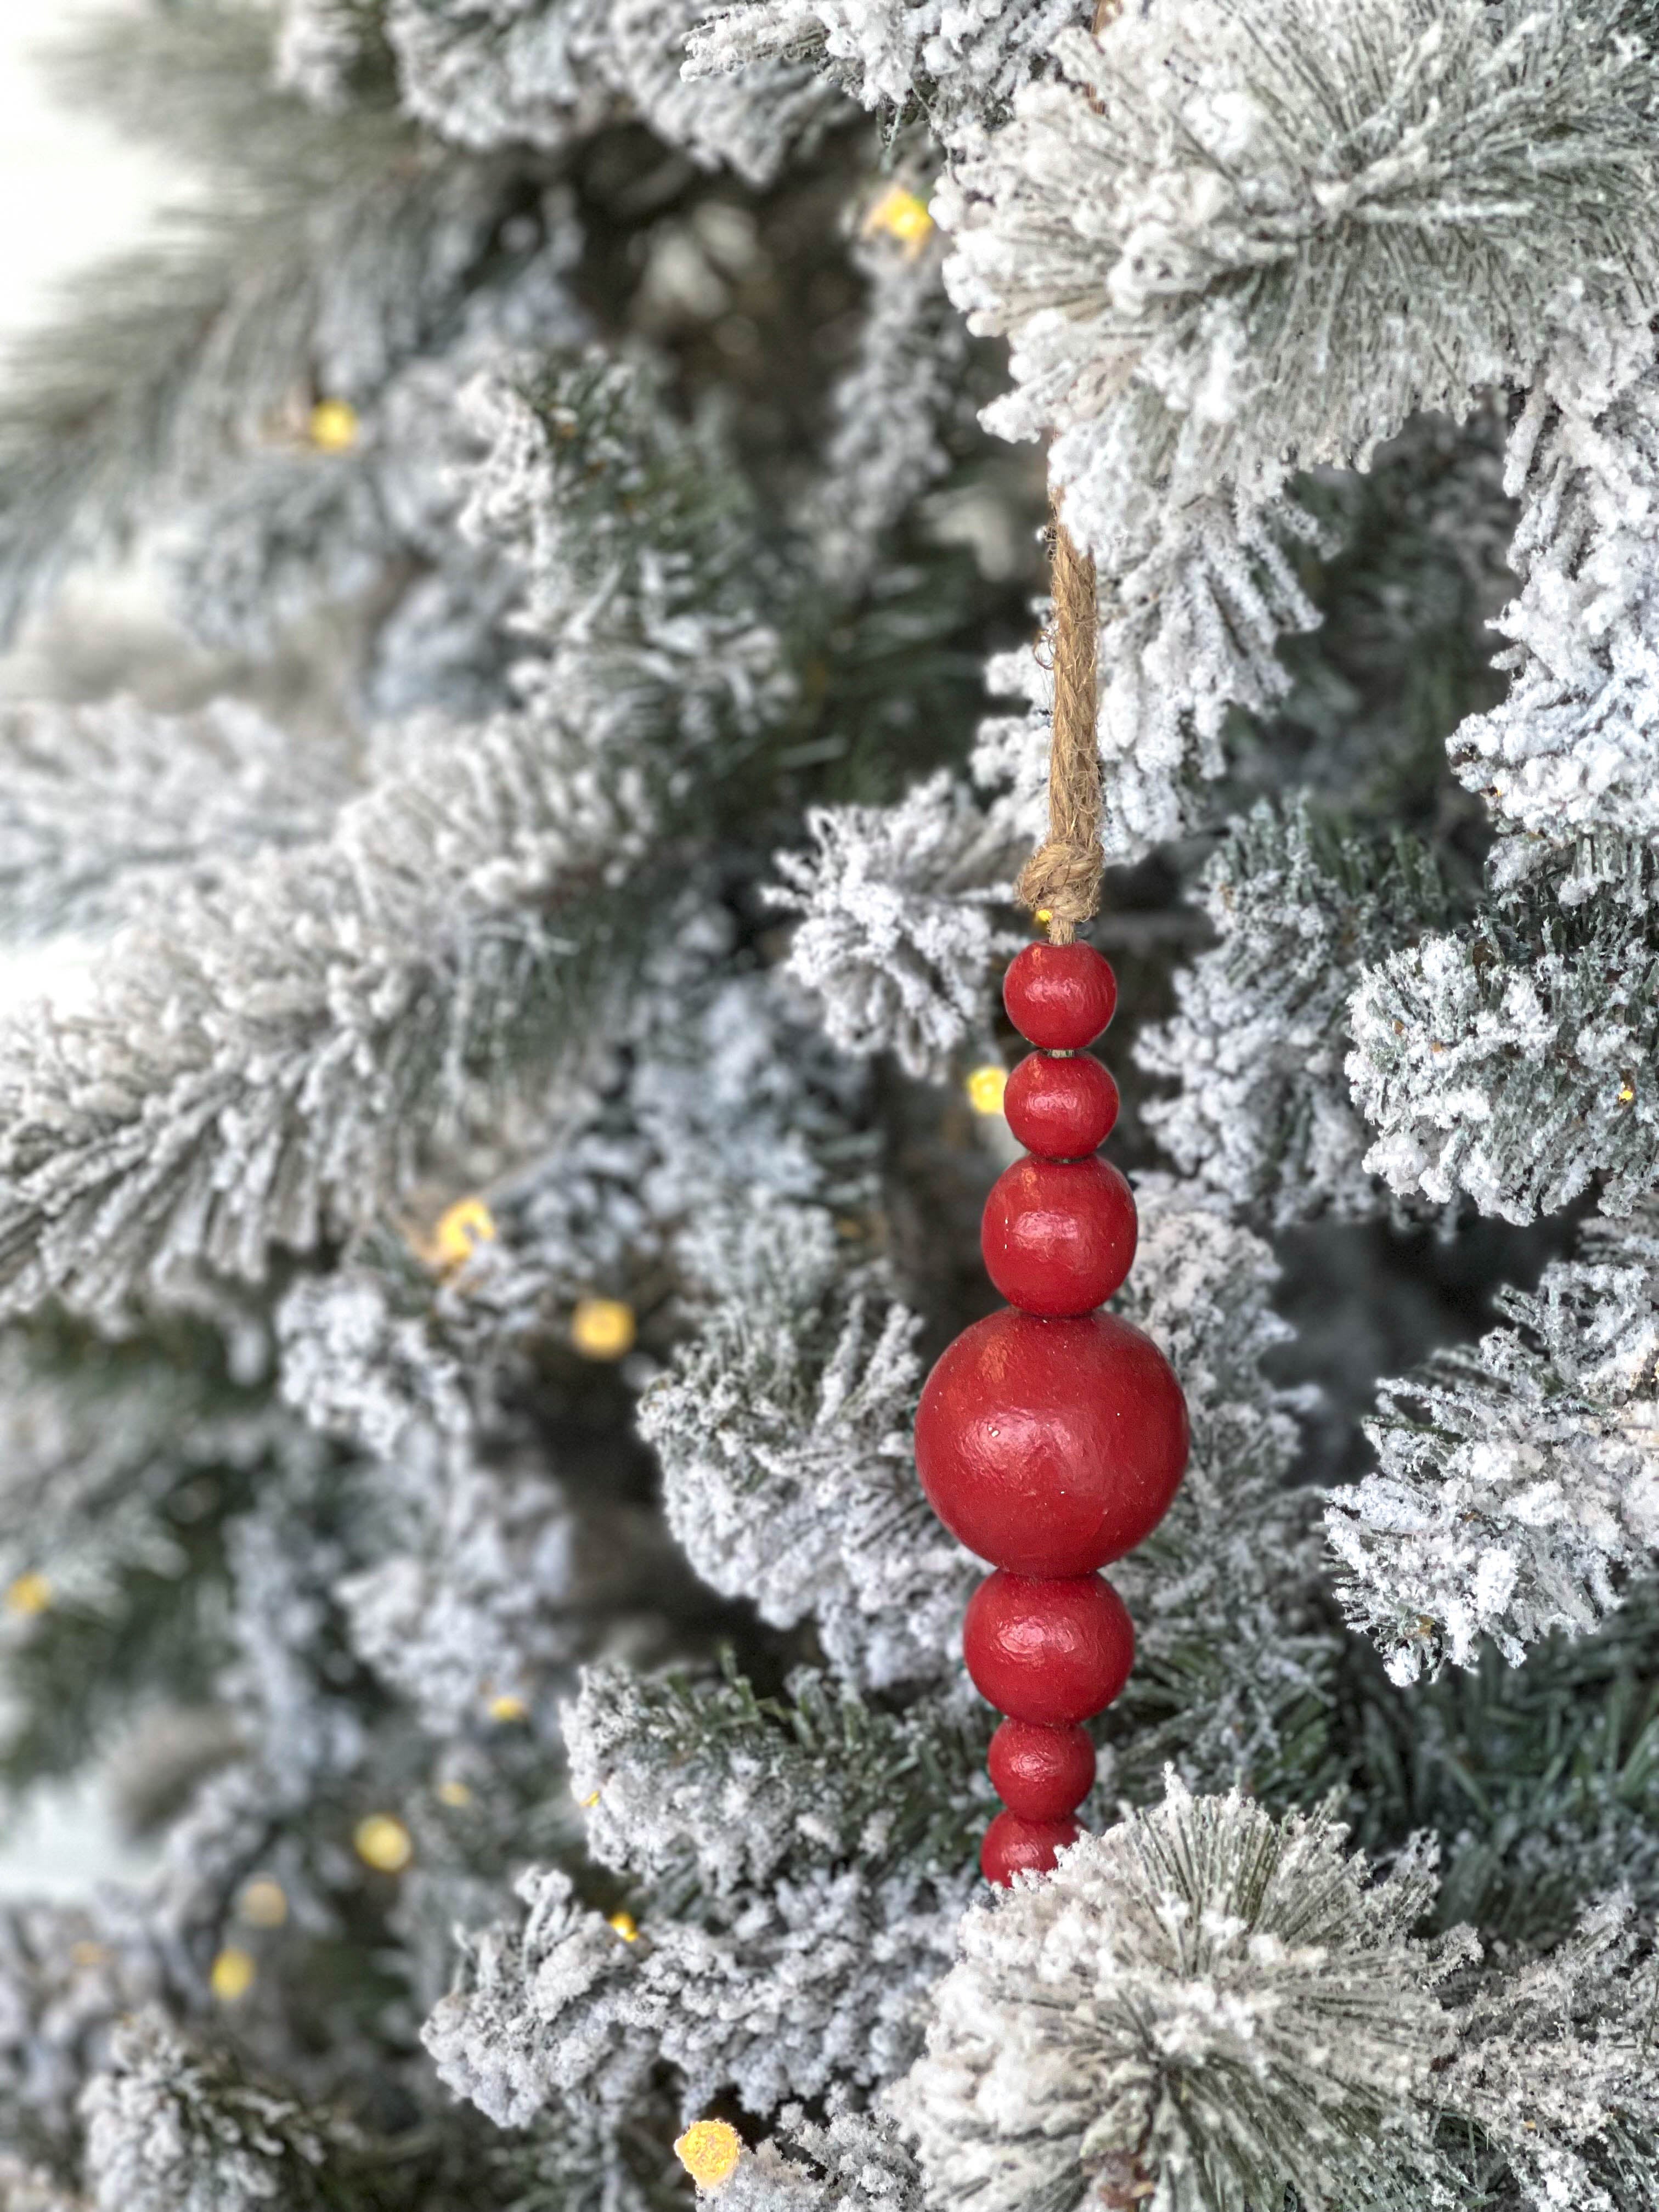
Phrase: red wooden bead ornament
(1060, 996)
(1060, 1105)
(1013, 1846)
(1051, 1447)
(1051, 1438)
(1058, 1236)
(1053, 1651)
(1041, 1773)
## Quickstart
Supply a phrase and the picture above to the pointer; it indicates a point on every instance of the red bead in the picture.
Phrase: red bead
(1014, 1846)
(1051, 1651)
(1051, 1447)
(1062, 1108)
(1060, 996)
(1059, 1236)
(1041, 1773)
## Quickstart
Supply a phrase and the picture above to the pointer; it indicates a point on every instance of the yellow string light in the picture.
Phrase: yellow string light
(603, 1329)
(1627, 1093)
(590, 1800)
(232, 1975)
(985, 1087)
(709, 2151)
(264, 1903)
(899, 213)
(626, 1926)
(509, 1708)
(334, 425)
(454, 1793)
(468, 1224)
(383, 1843)
(29, 1595)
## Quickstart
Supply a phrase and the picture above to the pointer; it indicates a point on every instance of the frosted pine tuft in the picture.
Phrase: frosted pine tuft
(1509, 1062)
(1262, 1114)
(856, 2163)
(960, 61)
(1519, 1484)
(1555, 2065)
(169, 2130)
(897, 940)
(1204, 2007)
(784, 1435)
(1568, 753)
(1197, 245)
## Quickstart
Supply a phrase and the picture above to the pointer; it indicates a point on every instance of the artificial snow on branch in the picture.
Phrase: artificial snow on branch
(1568, 757)
(108, 805)
(1262, 1114)
(1202, 245)
(958, 65)
(783, 1430)
(1202, 2008)
(1514, 1060)
(169, 2130)
(898, 938)
(262, 1064)
(548, 72)
(1519, 1477)
(679, 1776)
(1233, 1666)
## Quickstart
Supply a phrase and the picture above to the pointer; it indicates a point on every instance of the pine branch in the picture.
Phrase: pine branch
(1275, 183)
(826, 1780)
(1514, 1060)
(1262, 1114)
(322, 251)
(347, 1001)
(1516, 1490)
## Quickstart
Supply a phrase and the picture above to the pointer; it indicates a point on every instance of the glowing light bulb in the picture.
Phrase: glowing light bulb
(709, 2151)
(383, 1843)
(603, 1329)
(985, 1087)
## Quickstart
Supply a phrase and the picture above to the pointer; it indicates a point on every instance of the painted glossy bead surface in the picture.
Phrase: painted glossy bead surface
(1053, 1651)
(1062, 1108)
(1041, 1773)
(1060, 996)
(1059, 1236)
(1051, 1447)
(1015, 1846)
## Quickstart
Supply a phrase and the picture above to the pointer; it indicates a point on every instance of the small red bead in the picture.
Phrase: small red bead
(1014, 1846)
(1041, 1773)
(1059, 1236)
(1060, 996)
(1052, 1650)
(1060, 1109)
(1051, 1447)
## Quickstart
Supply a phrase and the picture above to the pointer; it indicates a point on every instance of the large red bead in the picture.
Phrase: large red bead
(1059, 1236)
(1041, 1773)
(1051, 1447)
(1053, 1651)
(1060, 1108)
(1060, 996)
(1014, 1846)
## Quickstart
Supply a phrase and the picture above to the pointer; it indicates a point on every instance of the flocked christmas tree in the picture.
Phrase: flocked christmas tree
(479, 1205)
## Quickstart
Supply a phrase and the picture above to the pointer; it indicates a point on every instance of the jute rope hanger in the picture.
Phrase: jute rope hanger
(1060, 882)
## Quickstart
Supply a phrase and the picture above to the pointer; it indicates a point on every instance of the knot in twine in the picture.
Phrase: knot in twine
(1060, 882)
